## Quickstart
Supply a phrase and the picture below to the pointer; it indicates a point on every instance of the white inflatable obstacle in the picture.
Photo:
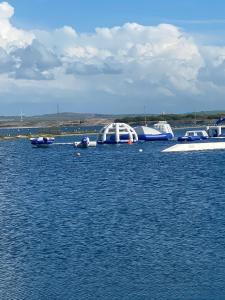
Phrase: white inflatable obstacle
(164, 127)
(195, 147)
(85, 143)
(116, 133)
(81, 145)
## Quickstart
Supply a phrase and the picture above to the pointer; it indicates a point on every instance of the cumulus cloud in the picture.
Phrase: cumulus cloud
(9, 35)
(21, 54)
(7, 63)
(150, 63)
(97, 68)
(161, 56)
(34, 62)
(214, 68)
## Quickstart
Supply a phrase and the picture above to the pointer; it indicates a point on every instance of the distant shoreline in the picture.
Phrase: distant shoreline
(22, 127)
(22, 136)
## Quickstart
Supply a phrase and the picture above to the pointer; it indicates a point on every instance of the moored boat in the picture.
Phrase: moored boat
(193, 135)
(42, 141)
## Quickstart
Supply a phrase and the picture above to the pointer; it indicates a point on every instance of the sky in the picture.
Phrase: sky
(113, 57)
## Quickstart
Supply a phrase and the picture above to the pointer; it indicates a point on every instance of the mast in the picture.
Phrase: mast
(145, 115)
(21, 116)
(58, 121)
(195, 120)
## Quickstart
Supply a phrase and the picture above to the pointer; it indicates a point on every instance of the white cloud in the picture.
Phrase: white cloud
(34, 62)
(214, 69)
(129, 65)
(9, 35)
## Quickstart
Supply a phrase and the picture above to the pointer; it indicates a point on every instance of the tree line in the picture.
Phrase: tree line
(188, 117)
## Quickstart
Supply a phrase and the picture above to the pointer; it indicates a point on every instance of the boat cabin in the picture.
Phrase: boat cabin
(216, 130)
(193, 135)
(200, 133)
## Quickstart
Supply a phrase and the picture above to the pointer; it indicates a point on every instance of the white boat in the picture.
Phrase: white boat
(193, 135)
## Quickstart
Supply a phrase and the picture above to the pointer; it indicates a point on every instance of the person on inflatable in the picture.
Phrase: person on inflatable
(85, 140)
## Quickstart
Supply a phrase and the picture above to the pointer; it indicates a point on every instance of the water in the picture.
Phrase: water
(37, 131)
(114, 223)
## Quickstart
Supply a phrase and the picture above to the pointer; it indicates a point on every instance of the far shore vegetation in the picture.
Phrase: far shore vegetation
(79, 124)
(200, 118)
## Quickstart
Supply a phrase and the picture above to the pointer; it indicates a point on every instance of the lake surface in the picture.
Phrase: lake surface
(39, 131)
(114, 223)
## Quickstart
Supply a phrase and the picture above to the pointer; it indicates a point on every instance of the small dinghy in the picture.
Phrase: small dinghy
(193, 135)
(42, 141)
(85, 143)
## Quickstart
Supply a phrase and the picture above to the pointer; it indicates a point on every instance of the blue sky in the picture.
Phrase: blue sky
(166, 55)
(87, 15)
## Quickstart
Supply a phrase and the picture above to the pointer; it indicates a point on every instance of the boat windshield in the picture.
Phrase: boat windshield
(200, 133)
(195, 133)
(190, 133)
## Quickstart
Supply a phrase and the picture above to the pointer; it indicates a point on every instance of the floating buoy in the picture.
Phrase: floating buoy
(140, 150)
(77, 153)
(129, 142)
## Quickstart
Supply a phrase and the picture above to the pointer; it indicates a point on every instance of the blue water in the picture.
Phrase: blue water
(114, 223)
(27, 131)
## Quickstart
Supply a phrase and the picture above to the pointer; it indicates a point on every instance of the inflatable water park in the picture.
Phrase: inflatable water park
(122, 133)
(117, 133)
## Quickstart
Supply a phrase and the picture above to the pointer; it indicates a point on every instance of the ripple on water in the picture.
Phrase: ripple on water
(113, 223)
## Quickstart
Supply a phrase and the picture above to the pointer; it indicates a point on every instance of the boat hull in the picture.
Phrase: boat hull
(191, 138)
(42, 142)
(41, 145)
